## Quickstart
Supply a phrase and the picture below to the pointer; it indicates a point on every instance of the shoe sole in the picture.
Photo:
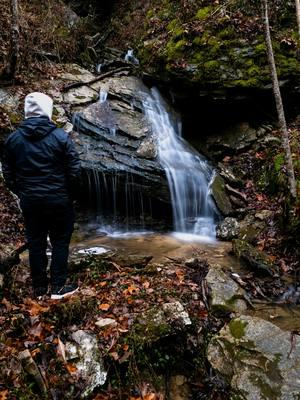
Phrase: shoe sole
(62, 296)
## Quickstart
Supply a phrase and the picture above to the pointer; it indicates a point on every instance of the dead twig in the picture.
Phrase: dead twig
(99, 78)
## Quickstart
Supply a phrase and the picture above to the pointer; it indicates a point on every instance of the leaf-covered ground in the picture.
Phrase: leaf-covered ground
(138, 353)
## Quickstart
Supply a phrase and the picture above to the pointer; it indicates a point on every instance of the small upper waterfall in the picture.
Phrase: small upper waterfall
(129, 57)
(103, 96)
(188, 173)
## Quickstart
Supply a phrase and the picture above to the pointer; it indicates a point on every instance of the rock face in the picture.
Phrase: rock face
(225, 293)
(113, 137)
(257, 359)
(235, 139)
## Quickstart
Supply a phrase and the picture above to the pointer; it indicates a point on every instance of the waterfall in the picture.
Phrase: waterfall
(188, 173)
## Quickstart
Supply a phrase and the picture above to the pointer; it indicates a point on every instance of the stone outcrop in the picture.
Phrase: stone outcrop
(257, 359)
(233, 140)
(253, 258)
(224, 293)
(113, 137)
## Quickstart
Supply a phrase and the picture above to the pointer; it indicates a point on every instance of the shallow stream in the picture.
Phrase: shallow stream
(164, 247)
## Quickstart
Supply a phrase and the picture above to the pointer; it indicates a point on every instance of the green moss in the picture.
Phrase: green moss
(176, 30)
(227, 33)
(243, 83)
(204, 12)
(212, 65)
(63, 32)
(237, 328)
(150, 328)
(70, 312)
(279, 162)
(175, 49)
(254, 71)
(197, 41)
(220, 196)
(260, 49)
(269, 392)
(198, 57)
(150, 14)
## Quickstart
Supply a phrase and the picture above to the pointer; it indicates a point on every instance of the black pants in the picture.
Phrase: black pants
(57, 221)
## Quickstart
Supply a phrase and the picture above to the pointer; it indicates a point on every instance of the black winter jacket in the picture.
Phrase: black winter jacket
(40, 162)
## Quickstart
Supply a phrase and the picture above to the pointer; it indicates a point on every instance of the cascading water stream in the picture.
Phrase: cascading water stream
(188, 173)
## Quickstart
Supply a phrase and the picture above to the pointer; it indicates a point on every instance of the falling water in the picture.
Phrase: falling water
(188, 173)
(103, 96)
(99, 68)
(129, 57)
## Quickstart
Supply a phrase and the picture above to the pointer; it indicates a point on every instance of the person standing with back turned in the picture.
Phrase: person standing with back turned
(42, 167)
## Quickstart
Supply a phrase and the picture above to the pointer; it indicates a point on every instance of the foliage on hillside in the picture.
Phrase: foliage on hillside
(208, 40)
(49, 31)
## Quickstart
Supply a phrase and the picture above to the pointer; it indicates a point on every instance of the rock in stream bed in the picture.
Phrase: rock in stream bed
(258, 359)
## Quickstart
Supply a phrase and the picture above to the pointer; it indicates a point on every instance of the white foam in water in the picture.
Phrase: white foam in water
(93, 250)
(191, 237)
(112, 232)
(188, 174)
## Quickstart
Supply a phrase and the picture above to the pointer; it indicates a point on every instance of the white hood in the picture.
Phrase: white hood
(38, 105)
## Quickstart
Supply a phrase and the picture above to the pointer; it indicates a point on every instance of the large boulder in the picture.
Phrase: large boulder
(253, 258)
(258, 360)
(113, 136)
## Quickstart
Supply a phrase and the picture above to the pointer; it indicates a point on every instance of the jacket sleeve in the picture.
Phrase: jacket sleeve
(73, 168)
(9, 169)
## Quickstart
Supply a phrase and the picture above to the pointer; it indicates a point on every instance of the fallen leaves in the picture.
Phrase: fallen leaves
(36, 331)
(3, 394)
(131, 290)
(104, 307)
(33, 307)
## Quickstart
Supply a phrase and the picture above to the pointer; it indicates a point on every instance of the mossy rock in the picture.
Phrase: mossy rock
(254, 357)
(220, 196)
(225, 56)
(253, 258)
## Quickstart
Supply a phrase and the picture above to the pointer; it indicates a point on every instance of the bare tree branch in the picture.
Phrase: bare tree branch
(14, 51)
(278, 101)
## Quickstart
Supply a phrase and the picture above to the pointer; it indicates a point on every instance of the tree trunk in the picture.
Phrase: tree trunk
(278, 101)
(298, 14)
(14, 41)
